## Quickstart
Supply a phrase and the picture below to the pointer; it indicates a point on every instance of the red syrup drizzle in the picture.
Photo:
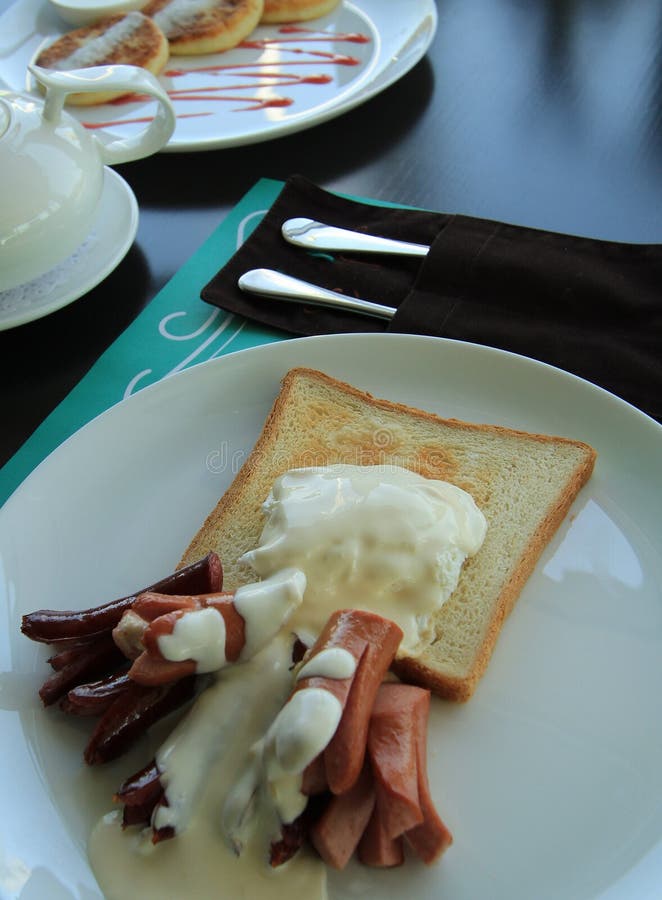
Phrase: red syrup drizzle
(259, 71)
(310, 35)
(143, 120)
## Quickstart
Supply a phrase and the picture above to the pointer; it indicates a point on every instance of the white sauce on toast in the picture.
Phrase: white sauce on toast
(369, 537)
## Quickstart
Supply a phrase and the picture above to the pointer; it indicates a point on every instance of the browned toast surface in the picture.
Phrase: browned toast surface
(523, 483)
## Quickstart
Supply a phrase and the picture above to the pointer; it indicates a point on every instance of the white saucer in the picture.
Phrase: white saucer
(104, 248)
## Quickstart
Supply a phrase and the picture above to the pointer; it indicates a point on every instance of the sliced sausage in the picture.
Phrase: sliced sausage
(142, 788)
(151, 667)
(393, 738)
(431, 838)
(96, 659)
(94, 697)
(151, 605)
(151, 671)
(131, 714)
(336, 834)
(376, 848)
(343, 758)
(55, 625)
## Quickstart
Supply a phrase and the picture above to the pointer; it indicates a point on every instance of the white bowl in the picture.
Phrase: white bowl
(86, 12)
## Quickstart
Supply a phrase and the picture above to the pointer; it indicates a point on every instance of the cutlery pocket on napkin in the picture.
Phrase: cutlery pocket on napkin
(590, 307)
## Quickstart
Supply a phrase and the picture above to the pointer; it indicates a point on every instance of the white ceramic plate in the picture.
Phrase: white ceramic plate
(550, 777)
(256, 95)
(102, 251)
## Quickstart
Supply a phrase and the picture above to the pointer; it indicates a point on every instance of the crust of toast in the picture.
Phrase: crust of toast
(296, 10)
(139, 42)
(205, 26)
(524, 483)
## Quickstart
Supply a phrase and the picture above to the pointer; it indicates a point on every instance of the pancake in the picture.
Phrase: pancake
(205, 26)
(131, 39)
(296, 10)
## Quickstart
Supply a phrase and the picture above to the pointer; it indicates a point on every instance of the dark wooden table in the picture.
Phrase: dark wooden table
(545, 113)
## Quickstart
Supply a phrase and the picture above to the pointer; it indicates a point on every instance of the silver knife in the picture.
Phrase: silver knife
(270, 283)
(317, 236)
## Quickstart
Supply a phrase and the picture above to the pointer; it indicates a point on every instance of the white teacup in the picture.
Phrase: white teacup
(52, 168)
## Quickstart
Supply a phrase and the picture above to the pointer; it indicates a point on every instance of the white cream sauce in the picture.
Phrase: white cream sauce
(376, 537)
(299, 733)
(265, 607)
(381, 538)
(203, 759)
(333, 662)
(198, 635)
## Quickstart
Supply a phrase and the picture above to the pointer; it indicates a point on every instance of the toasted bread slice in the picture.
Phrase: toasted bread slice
(204, 26)
(296, 10)
(523, 483)
(132, 39)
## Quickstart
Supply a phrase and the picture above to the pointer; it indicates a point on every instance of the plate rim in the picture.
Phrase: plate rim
(621, 405)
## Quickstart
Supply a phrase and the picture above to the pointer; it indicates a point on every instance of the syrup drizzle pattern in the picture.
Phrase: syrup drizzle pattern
(254, 75)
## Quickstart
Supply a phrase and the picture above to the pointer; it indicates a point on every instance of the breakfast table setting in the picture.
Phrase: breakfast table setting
(451, 205)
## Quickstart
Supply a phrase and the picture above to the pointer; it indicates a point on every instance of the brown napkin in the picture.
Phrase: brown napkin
(590, 307)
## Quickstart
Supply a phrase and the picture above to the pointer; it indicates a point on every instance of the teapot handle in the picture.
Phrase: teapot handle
(112, 78)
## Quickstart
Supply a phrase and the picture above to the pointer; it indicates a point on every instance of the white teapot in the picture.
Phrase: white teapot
(52, 168)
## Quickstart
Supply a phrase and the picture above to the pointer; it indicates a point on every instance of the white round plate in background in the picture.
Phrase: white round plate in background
(279, 82)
